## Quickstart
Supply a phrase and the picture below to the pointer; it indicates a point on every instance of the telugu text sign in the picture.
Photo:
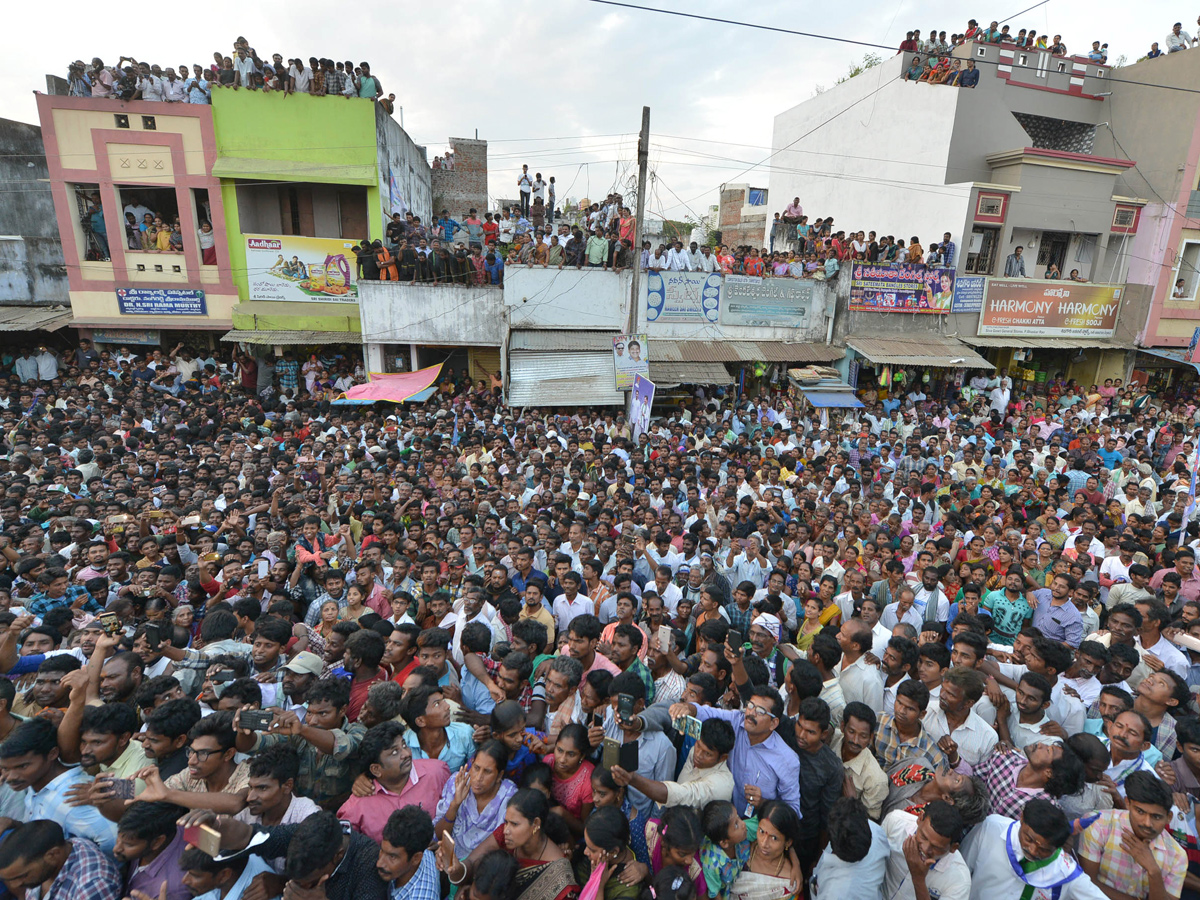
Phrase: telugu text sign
(1050, 309)
(682, 297)
(915, 288)
(161, 302)
(750, 300)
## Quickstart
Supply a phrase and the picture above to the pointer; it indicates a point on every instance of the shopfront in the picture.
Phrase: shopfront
(886, 368)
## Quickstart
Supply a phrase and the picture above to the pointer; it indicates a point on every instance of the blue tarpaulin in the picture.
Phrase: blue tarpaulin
(832, 399)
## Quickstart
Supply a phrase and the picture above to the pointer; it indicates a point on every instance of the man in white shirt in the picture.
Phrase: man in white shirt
(860, 681)
(924, 855)
(677, 259)
(301, 76)
(970, 737)
(570, 603)
(707, 262)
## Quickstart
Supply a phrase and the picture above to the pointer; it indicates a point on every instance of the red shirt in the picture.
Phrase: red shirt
(490, 230)
(358, 693)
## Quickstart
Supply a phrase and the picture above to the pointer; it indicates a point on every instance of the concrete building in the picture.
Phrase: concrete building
(1018, 161)
(1159, 126)
(550, 332)
(460, 179)
(285, 214)
(742, 215)
(33, 279)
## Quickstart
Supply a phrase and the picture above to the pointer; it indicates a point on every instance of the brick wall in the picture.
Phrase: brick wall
(465, 186)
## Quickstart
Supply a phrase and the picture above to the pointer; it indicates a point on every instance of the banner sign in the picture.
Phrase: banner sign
(286, 267)
(1029, 308)
(682, 296)
(161, 302)
(750, 300)
(640, 401)
(631, 357)
(915, 288)
(142, 337)
(968, 293)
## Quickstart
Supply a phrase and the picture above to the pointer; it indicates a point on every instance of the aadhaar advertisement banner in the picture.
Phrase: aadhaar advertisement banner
(1031, 308)
(286, 267)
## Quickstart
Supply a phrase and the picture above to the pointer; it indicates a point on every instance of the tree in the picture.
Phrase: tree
(869, 61)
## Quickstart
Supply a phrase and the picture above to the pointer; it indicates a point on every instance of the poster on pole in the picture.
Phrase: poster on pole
(631, 357)
(640, 401)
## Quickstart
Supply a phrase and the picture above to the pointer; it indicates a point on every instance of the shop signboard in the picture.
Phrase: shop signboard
(682, 297)
(1063, 309)
(287, 267)
(915, 288)
(968, 293)
(751, 300)
(631, 357)
(161, 302)
(141, 337)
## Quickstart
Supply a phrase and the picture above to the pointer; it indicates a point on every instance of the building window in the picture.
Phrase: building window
(991, 208)
(1186, 272)
(1022, 60)
(91, 236)
(1100, 72)
(1124, 216)
(1062, 67)
(981, 251)
(148, 123)
(980, 51)
(121, 119)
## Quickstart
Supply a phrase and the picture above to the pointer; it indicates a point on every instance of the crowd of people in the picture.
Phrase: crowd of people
(256, 645)
(131, 79)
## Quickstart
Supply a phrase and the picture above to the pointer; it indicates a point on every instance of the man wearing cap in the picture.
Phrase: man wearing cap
(299, 674)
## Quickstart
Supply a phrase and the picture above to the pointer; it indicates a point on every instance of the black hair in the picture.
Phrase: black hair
(628, 683)
(334, 691)
(272, 629)
(532, 804)
(245, 690)
(945, 819)
(915, 691)
(219, 725)
(174, 718)
(538, 774)
(1056, 656)
(1147, 788)
(607, 828)
(30, 840)
(497, 750)
(519, 662)
(36, 736)
(858, 710)
(279, 762)
(1047, 821)
(376, 741)
(1039, 683)
(936, 651)
(814, 709)
(680, 828)
(147, 821)
(533, 633)
(109, 718)
(410, 829)
(413, 706)
(849, 828)
(495, 874)
(1067, 774)
(707, 686)
(806, 679)
(715, 818)
(366, 646)
(784, 818)
(586, 626)
(506, 716)
(718, 735)
(314, 844)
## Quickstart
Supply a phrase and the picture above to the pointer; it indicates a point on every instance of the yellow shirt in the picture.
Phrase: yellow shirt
(541, 616)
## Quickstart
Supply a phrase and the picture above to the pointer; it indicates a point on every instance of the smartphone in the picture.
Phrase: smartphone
(625, 707)
(264, 568)
(664, 639)
(735, 649)
(189, 521)
(122, 788)
(225, 676)
(110, 622)
(597, 720)
(206, 838)
(610, 753)
(152, 636)
(627, 757)
(256, 719)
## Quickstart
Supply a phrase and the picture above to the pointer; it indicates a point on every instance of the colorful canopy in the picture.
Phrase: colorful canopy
(395, 387)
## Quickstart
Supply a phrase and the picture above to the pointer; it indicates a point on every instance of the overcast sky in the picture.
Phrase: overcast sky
(561, 84)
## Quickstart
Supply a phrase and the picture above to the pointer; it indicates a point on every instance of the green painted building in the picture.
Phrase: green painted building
(303, 179)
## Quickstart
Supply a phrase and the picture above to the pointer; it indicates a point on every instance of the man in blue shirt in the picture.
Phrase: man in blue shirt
(405, 863)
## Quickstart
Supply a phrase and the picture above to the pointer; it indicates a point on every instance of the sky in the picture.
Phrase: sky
(560, 85)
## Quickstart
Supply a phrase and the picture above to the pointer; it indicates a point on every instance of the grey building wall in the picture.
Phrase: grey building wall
(32, 272)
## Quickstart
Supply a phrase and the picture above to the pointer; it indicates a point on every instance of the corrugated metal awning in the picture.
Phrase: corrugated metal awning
(271, 338)
(292, 171)
(549, 341)
(669, 374)
(743, 351)
(562, 378)
(34, 318)
(934, 350)
(1046, 343)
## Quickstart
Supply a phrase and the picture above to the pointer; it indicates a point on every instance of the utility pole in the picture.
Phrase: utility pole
(643, 162)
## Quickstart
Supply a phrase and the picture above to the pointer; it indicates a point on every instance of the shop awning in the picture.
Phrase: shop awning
(670, 374)
(827, 399)
(561, 340)
(932, 350)
(1177, 355)
(34, 318)
(286, 338)
(743, 352)
(1047, 343)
